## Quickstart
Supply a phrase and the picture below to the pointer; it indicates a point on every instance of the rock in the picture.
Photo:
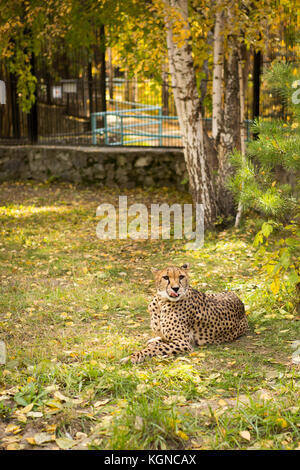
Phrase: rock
(149, 181)
(296, 354)
(263, 395)
(143, 161)
(2, 353)
(98, 168)
(121, 176)
(204, 406)
(121, 160)
(111, 166)
(79, 160)
(296, 357)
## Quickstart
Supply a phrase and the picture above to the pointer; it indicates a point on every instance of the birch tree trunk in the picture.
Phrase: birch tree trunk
(189, 107)
(229, 132)
(218, 66)
(242, 129)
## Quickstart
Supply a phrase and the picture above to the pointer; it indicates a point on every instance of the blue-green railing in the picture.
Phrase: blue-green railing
(127, 132)
(130, 132)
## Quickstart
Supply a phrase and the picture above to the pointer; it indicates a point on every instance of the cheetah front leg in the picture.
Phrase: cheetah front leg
(159, 348)
(152, 340)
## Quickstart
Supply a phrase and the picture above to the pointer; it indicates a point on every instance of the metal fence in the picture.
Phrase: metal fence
(139, 113)
(69, 111)
(142, 125)
(139, 124)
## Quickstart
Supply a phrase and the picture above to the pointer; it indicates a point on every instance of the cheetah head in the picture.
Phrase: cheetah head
(172, 282)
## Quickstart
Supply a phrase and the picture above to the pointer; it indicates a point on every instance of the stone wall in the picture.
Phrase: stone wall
(110, 166)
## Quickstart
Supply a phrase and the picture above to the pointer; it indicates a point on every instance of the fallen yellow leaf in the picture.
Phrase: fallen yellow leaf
(30, 441)
(14, 446)
(222, 402)
(101, 403)
(13, 428)
(42, 437)
(282, 423)
(27, 408)
(245, 435)
(182, 435)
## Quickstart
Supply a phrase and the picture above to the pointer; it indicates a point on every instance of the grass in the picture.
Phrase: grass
(72, 306)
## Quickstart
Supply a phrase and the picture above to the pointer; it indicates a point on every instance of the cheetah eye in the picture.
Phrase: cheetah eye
(181, 277)
(166, 278)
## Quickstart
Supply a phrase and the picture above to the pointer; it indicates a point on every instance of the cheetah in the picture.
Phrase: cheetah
(183, 317)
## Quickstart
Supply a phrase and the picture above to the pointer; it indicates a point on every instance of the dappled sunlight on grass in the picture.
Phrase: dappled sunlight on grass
(72, 306)
(21, 211)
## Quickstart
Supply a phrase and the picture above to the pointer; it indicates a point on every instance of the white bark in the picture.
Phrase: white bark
(242, 130)
(189, 108)
(229, 135)
(217, 85)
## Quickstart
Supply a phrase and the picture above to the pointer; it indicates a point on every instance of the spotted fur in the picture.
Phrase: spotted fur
(183, 317)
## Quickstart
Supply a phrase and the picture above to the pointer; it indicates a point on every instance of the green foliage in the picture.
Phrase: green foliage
(147, 424)
(68, 316)
(25, 81)
(24, 28)
(256, 183)
(256, 187)
(5, 412)
(281, 264)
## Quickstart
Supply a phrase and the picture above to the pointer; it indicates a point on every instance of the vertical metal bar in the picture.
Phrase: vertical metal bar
(105, 130)
(160, 125)
(121, 130)
(93, 127)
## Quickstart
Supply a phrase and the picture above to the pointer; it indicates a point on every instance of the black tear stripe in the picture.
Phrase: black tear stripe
(168, 272)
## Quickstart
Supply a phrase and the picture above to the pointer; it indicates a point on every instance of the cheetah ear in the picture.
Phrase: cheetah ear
(185, 266)
(154, 271)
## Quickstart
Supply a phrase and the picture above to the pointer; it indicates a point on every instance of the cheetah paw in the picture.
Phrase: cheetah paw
(152, 340)
(124, 360)
(133, 359)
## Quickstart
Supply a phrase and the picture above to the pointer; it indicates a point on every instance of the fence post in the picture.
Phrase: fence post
(93, 126)
(160, 125)
(105, 130)
(121, 130)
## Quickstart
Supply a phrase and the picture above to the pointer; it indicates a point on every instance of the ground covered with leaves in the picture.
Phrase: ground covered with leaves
(72, 306)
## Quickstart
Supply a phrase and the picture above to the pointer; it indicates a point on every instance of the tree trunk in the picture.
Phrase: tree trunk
(103, 69)
(217, 86)
(165, 90)
(205, 71)
(32, 117)
(256, 86)
(90, 86)
(110, 74)
(189, 110)
(16, 132)
(127, 87)
(242, 130)
(230, 130)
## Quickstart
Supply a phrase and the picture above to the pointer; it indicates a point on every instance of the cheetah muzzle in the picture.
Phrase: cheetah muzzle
(182, 317)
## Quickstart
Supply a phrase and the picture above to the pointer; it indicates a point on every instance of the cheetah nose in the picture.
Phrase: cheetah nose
(175, 289)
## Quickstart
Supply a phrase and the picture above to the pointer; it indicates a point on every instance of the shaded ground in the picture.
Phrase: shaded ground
(72, 306)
